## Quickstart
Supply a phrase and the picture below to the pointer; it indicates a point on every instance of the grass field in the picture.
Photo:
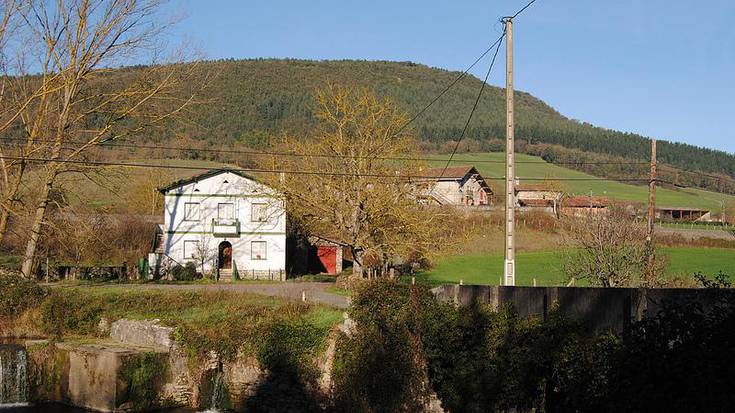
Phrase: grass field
(665, 197)
(546, 266)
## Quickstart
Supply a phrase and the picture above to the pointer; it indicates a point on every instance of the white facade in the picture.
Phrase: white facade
(459, 186)
(206, 214)
(467, 191)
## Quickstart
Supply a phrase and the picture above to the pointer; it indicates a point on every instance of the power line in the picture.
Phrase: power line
(110, 144)
(446, 89)
(499, 42)
(523, 9)
(304, 172)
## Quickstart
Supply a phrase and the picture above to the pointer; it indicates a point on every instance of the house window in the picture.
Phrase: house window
(225, 210)
(190, 249)
(258, 250)
(259, 213)
(191, 211)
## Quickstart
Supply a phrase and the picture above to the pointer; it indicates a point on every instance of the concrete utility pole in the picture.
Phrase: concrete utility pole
(651, 212)
(510, 255)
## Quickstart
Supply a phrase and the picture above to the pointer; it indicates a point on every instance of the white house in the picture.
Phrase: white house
(459, 186)
(227, 221)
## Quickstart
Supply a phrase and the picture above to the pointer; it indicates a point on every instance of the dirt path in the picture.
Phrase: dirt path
(314, 292)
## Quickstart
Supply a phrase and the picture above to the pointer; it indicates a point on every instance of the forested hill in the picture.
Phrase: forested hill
(251, 99)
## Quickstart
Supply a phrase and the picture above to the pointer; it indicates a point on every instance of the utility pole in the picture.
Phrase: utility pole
(651, 212)
(510, 256)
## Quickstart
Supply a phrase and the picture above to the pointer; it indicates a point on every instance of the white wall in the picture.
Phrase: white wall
(242, 193)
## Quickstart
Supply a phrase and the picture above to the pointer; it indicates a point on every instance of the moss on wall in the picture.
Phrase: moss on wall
(140, 378)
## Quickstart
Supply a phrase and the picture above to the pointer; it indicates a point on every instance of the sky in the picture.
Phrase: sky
(659, 68)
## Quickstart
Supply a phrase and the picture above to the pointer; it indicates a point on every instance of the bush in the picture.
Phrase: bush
(18, 294)
(380, 367)
(477, 359)
(187, 272)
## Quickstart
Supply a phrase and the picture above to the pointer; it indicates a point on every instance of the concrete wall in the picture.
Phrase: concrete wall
(598, 309)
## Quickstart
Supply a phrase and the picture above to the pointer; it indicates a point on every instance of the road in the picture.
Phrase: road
(313, 291)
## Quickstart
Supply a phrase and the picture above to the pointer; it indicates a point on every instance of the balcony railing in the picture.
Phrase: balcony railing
(225, 227)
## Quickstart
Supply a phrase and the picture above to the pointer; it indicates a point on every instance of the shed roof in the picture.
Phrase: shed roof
(583, 201)
(536, 202)
(203, 176)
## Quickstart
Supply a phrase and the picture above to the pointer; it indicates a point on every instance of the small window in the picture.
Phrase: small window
(191, 211)
(258, 250)
(190, 249)
(225, 210)
(259, 213)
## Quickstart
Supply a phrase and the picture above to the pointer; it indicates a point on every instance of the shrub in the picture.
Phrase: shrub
(380, 367)
(18, 294)
(187, 272)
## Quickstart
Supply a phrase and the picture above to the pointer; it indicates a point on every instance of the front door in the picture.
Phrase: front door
(225, 255)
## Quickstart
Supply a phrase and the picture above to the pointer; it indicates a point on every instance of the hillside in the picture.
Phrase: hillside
(249, 100)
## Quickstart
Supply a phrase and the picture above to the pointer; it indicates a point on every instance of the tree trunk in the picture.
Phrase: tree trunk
(30, 252)
(10, 203)
(4, 218)
(356, 264)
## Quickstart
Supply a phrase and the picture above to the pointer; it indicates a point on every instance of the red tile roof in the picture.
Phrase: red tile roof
(583, 201)
(536, 202)
(454, 172)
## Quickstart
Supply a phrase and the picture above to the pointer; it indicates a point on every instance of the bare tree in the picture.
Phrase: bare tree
(358, 197)
(609, 250)
(82, 104)
(204, 253)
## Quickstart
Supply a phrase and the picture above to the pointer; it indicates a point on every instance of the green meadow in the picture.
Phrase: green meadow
(546, 266)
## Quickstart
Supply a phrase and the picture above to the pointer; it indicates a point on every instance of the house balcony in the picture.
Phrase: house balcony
(225, 227)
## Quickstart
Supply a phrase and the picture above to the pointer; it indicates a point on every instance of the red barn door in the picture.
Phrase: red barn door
(328, 257)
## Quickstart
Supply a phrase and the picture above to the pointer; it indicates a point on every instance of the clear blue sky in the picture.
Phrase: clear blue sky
(656, 67)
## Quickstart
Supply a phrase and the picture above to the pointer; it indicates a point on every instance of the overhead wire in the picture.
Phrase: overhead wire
(276, 170)
(499, 42)
(251, 152)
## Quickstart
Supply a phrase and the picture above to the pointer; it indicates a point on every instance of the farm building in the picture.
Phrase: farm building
(226, 222)
(534, 197)
(581, 205)
(315, 255)
(458, 186)
(683, 214)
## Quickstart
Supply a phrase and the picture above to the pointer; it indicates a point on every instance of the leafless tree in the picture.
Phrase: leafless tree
(609, 250)
(204, 254)
(81, 104)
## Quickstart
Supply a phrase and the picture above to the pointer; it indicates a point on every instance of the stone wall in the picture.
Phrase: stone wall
(96, 375)
(599, 309)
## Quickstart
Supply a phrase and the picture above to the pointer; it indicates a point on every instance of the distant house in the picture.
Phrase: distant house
(534, 197)
(459, 186)
(226, 220)
(582, 205)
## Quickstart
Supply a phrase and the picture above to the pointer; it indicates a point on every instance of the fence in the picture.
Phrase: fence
(598, 309)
